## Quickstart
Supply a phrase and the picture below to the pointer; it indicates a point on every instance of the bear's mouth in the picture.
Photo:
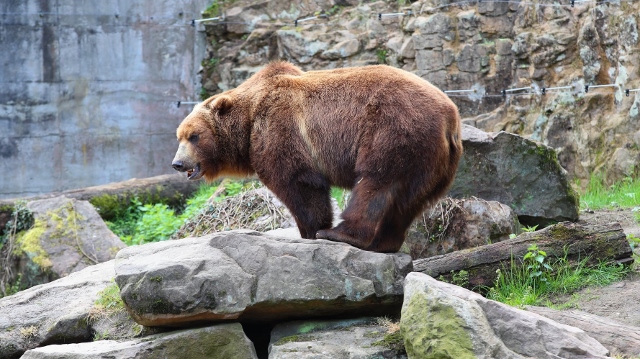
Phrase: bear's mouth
(195, 173)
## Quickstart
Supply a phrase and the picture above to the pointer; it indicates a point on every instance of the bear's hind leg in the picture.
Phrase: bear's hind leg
(364, 211)
(390, 232)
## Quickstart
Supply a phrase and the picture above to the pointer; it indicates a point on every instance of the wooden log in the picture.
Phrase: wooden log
(601, 242)
(619, 338)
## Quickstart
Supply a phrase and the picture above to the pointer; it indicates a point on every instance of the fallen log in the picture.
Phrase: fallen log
(619, 338)
(600, 242)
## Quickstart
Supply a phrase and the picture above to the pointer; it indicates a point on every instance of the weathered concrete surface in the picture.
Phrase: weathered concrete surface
(250, 276)
(88, 90)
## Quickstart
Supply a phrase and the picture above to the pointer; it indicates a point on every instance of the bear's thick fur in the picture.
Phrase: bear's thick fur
(387, 134)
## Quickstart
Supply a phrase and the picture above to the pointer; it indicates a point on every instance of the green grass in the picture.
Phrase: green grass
(598, 195)
(522, 285)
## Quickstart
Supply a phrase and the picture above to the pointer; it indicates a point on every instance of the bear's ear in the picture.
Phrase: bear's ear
(221, 104)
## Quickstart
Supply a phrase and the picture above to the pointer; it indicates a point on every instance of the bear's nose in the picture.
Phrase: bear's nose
(178, 165)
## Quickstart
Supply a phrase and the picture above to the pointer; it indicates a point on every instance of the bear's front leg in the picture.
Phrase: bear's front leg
(307, 196)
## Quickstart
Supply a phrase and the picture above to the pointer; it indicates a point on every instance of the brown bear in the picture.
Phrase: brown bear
(387, 134)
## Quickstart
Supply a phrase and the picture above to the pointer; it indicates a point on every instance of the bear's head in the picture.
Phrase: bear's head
(209, 141)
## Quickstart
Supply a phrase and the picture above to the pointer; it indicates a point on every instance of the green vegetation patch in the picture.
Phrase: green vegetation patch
(293, 339)
(140, 222)
(109, 298)
(29, 243)
(535, 279)
(623, 194)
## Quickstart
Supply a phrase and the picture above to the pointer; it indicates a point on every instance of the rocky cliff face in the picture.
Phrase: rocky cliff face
(485, 47)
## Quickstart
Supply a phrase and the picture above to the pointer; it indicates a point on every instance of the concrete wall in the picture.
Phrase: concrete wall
(88, 89)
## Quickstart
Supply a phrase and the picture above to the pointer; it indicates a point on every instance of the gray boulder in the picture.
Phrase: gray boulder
(348, 339)
(53, 312)
(224, 341)
(250, 276)
(67, 236)
(455, 224)
(518, 172)
(441, 320)
(619, 338)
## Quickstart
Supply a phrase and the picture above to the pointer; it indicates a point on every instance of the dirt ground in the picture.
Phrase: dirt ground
(621, 300)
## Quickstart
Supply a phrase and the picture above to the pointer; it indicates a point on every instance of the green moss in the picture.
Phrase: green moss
(137, 329)
(562, 233)
(156, 279)
(393, 341)
(29, 243)
(109, 298)
(373, 334)
(434, 330)
(292, 339)
(547, 155)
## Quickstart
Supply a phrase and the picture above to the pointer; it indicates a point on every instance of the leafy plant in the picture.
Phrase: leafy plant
(382, 56)
(534, 261)
(530, 229)
(157, 223)
(213, 62)
(21, 220)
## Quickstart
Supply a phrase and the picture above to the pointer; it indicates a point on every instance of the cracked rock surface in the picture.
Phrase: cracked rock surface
(247, 275)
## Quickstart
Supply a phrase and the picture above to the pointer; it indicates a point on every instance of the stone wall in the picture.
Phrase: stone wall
(88, 90)
(488, 46)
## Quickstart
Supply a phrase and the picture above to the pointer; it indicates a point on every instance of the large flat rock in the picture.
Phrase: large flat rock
(245, 275)
(224, 341)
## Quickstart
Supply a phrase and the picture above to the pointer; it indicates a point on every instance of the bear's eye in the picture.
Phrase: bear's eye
(193, 138)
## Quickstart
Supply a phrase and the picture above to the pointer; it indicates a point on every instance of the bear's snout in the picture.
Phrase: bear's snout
(178, 165)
